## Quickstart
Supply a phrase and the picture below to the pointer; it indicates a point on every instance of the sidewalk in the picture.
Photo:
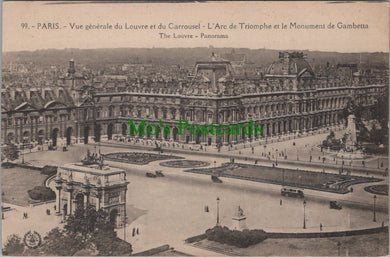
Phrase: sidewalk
(38, 220)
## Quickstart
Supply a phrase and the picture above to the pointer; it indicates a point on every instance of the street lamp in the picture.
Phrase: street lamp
(22, 153)
(218, 211)
(304, 214)
(276, 160)
(338, 249)
(374, 218)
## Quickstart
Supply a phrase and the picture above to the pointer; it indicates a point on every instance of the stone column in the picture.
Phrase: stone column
(97, 202)
(36, 128)
(58, 202)
(31, 129)
(86, 201)
(74, 206)
(69, 211)
(51, 127)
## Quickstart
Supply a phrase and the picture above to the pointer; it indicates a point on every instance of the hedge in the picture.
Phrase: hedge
(41, 193)
(237, 238)
(49, 170)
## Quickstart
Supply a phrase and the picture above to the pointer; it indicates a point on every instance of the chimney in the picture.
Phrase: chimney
(71, 69)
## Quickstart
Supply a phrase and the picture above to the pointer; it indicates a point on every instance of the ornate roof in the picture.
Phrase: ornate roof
(290, 64)
(35, 99)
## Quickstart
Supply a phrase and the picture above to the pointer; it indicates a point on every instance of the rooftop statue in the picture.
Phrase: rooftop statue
(90, 159)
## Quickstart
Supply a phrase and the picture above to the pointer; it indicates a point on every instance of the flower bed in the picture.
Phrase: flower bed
(378, 189)
(184, 164)
(138, 158)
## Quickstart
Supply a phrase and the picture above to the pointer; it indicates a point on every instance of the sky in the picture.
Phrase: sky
(21, 21)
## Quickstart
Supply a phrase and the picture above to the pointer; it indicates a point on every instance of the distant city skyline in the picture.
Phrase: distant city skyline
(375, 38)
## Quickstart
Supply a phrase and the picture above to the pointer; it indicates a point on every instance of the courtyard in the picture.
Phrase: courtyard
(15, 182)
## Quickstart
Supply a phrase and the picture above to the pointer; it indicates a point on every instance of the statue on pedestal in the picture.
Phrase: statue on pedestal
(239, 220)
(351, 138)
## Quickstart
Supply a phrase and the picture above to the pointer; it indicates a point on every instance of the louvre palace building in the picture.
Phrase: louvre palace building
(289, 98)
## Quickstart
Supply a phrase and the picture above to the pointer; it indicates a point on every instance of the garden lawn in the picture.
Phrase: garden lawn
(15, 183)
(363, 245)
(297, 178)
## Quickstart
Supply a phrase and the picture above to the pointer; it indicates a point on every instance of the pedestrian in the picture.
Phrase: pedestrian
(137, 231)
(133, 232)
(281, 202)
(320, 226)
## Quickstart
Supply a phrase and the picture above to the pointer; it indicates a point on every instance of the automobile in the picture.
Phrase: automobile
(335, 205)
(150, 175)
(158, 149)
(215, 179)
(159, 173)
(291, 192)
(5, 208)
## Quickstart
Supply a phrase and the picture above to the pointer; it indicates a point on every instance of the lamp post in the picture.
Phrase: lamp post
(218, 211)
(23, 154)
(338, 248)
(304, 214)
(276, 159)
(374, 218)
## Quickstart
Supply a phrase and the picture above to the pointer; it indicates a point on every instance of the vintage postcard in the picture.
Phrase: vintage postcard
(195, 128)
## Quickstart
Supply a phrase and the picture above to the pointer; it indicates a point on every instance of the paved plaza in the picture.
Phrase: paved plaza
(169, 209)
(291, 149)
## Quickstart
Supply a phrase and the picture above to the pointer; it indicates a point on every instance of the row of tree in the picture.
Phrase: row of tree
(87, 232)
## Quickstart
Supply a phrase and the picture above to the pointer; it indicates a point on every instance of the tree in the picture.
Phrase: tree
(376, 136)
(59, 243)
(87, 221)
(86, 229)
(14, 246)
(381, 110)
(10, 152)
(108, 244)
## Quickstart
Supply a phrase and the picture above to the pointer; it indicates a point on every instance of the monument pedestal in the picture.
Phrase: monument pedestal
(239, 220)
(239, 223)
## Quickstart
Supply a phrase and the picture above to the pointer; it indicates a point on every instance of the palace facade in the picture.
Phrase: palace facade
(289, 99)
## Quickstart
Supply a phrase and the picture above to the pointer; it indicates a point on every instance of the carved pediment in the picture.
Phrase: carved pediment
(55, 105)
(87, 102)
(25, 107)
